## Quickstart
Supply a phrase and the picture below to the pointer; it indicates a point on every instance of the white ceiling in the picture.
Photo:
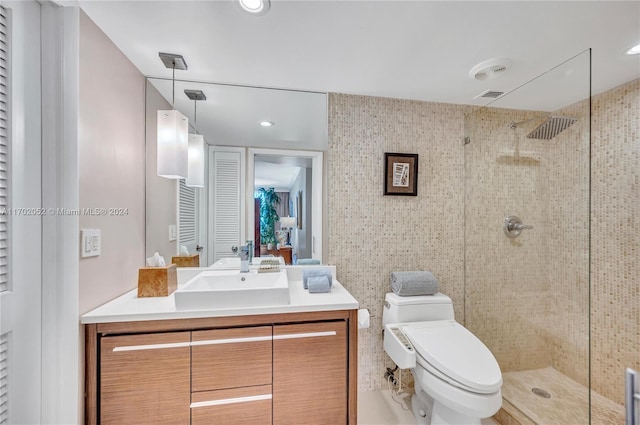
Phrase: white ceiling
(279, 172)
(401, 49)
(419, 50)
(231, 115)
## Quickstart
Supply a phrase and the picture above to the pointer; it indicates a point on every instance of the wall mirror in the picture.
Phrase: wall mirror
(243, 155)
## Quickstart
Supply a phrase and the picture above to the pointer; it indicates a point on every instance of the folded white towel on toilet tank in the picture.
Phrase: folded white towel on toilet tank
(408, 284)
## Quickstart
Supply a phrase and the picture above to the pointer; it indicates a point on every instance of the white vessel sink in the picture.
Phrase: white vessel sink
(230, 288)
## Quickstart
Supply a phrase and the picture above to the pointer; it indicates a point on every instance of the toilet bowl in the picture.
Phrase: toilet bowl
(457, 379)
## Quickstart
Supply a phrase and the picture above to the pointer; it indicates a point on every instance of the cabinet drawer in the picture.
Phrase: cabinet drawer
(238, 406)
(144, 379)
(231, 358)
(310, 374)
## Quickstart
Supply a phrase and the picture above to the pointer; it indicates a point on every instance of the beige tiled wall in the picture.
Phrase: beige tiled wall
(527, 298)
(371, 235)
(615, 244)
(506, 284)
(532, 315)
(567, 241)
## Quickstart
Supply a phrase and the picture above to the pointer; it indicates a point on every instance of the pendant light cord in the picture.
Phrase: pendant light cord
(173, 90)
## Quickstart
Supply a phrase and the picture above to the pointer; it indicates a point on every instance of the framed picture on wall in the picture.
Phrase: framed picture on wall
(401, 174)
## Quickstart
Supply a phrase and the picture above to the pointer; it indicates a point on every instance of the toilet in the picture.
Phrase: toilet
(457, 379)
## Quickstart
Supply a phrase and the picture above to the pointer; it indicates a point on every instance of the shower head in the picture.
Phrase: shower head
(551, 127)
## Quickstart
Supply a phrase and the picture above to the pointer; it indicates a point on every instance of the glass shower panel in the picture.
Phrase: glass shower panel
(527, 185)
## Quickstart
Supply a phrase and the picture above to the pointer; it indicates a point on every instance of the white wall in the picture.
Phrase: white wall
(111, 164)
(301, 238)
(161, 193)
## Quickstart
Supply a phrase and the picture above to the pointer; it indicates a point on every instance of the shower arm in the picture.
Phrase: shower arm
(514, 125)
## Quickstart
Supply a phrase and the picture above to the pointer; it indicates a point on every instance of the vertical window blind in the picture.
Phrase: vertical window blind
(187, 221)
(4, 203)
(4, 152)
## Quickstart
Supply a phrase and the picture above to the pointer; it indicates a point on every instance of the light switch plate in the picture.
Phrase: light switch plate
(173, 232)
(90, 242)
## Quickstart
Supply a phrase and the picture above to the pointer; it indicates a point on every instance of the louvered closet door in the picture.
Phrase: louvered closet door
(188, 217)
(226, 204)
(20, 217)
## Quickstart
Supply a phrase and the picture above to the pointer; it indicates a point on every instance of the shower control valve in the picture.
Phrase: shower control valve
(513, 226)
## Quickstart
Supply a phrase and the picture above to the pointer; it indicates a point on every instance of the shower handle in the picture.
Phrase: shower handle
(513, 226)
(522, 226)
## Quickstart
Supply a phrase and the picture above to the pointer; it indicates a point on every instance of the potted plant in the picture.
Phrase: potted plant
(268, 215)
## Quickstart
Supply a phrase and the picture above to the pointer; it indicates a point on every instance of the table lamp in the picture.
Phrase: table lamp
(288, 223)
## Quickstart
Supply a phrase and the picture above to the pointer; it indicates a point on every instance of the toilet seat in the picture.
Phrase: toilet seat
(449, 351)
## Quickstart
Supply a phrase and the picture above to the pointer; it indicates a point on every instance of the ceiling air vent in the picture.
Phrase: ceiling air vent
(490, 94)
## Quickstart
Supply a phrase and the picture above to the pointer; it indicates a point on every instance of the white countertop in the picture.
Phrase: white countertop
(130, 308)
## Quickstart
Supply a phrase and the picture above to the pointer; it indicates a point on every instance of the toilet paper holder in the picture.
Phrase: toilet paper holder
(364, 318)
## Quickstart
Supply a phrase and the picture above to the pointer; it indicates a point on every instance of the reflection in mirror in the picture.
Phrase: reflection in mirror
(291, 179)
(209, 221)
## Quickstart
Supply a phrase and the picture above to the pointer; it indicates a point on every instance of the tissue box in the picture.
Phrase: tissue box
(187, 260)
(157, 281)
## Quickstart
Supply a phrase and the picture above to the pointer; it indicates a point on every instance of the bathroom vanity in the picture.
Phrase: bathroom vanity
(147, 362)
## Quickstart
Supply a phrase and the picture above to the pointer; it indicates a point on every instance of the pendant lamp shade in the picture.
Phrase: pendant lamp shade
(195, 177)
(173, 131)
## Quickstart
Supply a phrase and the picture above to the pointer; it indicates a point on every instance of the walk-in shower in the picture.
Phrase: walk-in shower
(527, 155)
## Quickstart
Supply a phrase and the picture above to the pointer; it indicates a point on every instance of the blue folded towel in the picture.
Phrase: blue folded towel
(315, 272)
(307, 261)
(407, 284)
(318, 284)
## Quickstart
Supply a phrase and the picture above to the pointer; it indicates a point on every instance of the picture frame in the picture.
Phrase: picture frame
(400, 174)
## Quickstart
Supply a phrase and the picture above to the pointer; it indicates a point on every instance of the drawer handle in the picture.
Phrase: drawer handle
(151, 346)
(231, 340)
(306, 335)
(222, 341)
(231, 400)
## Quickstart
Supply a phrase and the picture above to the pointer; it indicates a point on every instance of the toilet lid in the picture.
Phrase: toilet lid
(457, 353)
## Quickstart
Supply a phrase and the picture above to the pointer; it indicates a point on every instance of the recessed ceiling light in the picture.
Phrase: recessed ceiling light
(267, 124)
(257, 7)
(635, 50)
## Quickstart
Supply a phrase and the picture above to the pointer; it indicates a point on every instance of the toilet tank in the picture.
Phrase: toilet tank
(416, 309)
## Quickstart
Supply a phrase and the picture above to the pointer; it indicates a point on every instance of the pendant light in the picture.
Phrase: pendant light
(173, 129)
(195, 174)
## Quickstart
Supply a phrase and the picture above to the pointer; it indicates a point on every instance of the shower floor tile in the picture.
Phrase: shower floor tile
(568, 404)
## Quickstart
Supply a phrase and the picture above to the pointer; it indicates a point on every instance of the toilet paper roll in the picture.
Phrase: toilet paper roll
(363, 318)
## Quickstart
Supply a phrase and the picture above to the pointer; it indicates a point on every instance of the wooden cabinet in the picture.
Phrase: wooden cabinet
(228, 358)
(235, 406)
(310, 373)
(265, 369)
(231, 373)
(145, 379)
(286, 252)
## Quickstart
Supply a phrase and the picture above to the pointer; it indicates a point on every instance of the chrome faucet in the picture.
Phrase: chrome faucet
(244, 259)
(250, 246)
